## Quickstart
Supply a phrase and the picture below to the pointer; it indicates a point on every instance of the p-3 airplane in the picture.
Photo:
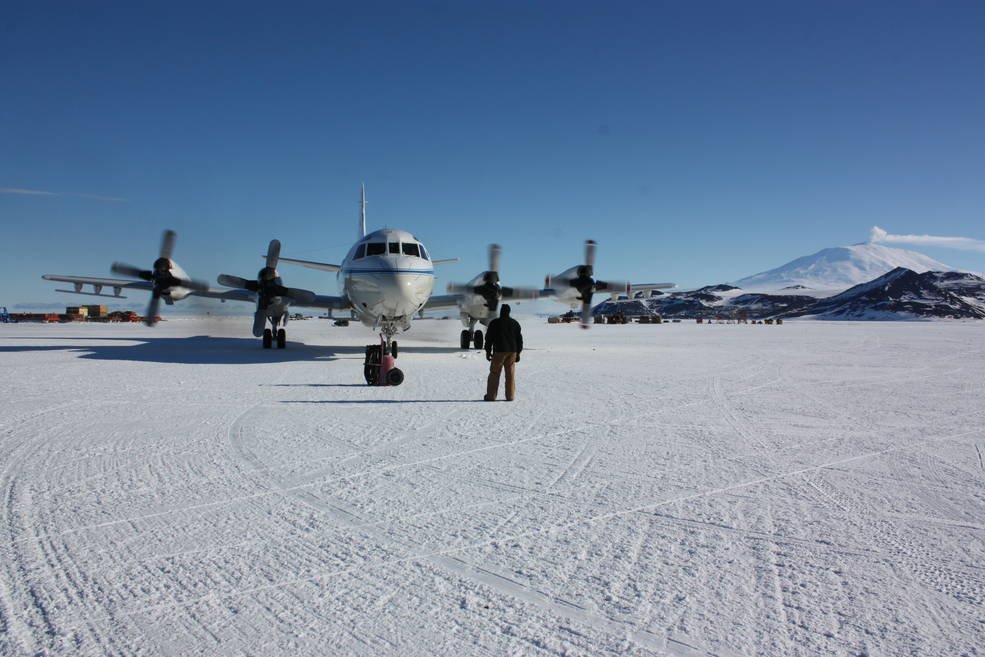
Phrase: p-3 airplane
(386, 278)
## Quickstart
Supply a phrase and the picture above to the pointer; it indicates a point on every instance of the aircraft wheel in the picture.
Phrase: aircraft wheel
(371, 366)
(395, 377)
(268, 338)
(465, 339)
(393, 348)
(281, 339)
(477, 340)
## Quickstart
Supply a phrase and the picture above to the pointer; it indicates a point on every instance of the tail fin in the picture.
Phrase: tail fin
(362, 210)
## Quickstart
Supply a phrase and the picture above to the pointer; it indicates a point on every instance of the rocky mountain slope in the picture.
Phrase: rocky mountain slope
(899, 294)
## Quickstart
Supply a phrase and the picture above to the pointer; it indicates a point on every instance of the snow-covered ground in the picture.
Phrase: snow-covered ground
(808, 489)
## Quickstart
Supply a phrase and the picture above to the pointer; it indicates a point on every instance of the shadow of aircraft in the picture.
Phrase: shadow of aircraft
(203, 350)
(196, 350)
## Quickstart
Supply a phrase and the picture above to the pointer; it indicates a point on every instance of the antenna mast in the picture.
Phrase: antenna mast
(362, 210)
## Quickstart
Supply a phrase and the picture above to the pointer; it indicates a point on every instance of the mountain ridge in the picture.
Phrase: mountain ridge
(839, 268)
(896, 295)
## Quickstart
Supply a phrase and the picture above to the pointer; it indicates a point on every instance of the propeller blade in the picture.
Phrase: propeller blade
(259, 321)
(151, 317)
(520, 293)
(231, 281)
(590, 252)
(495, 253)
(167, 244)
(618, 287)
(273, 253)
(124, 269)
(458, 288)
(301, 297)
(586, 313)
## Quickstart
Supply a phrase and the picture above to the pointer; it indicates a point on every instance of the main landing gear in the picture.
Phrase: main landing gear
(471, 337)
(268, 338)
(379, 368)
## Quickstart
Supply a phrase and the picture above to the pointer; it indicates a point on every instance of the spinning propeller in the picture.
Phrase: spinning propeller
(586, 285)
(161, 276)
(268, 287)
(488, 286)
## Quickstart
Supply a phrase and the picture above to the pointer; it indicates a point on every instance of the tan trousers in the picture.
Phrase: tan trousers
(503, 360)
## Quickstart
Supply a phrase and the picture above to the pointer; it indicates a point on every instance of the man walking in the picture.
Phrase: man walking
(504, 342)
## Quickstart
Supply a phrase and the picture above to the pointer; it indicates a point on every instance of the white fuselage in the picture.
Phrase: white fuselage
(387, 277)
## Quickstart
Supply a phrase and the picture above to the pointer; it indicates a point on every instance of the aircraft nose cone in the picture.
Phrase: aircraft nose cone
(412, 291)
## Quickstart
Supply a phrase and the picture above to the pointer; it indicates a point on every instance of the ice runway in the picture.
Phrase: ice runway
(806, 489)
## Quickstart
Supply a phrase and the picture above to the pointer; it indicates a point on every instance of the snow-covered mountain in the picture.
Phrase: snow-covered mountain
(840, 268)
(903, 294)
(898, 294)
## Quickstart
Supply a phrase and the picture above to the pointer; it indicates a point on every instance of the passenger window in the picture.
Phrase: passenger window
(411, 249)
(375, 248)
(360, 252)
(394, 247)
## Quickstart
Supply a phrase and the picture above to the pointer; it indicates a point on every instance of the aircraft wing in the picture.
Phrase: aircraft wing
(509, 293)
(225, 295)
(549, 292)
(442, 301)
(120, 284)
(328, 302)
(648, 287)
(117, 284)
(642, 287)
(310, 264)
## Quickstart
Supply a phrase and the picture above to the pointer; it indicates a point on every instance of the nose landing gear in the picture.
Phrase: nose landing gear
(379, 368)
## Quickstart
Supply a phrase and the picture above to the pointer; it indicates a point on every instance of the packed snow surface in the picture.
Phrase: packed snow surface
(679, 489)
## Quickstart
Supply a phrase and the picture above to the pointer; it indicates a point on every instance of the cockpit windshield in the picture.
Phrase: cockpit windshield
(367, 249)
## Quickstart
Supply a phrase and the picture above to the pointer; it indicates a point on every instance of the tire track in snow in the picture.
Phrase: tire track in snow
(233, 592)
(38, 606)
(300, 487)
(577, 464)
(381, 470)
(774, 586)
(21, 618)
(483, 576)
(905, 555)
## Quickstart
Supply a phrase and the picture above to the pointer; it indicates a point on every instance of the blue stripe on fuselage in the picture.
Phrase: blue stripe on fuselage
(361, 270)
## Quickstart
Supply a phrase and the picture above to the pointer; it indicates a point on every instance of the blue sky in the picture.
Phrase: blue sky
(697, 142)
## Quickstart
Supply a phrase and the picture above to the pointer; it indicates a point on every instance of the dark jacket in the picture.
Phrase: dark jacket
(504, 333)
